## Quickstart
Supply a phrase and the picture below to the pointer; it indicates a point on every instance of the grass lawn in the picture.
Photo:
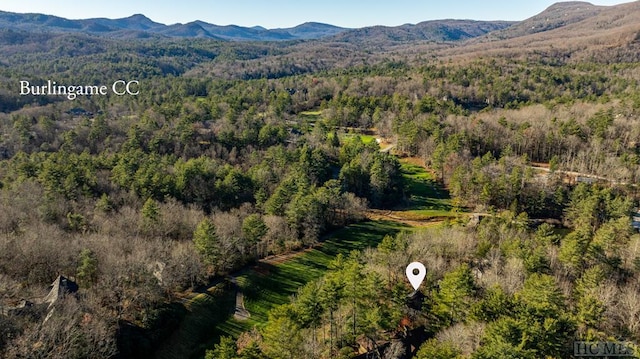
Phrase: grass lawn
(428, 198)
(365, 138)
(311, 116)
(273, 285)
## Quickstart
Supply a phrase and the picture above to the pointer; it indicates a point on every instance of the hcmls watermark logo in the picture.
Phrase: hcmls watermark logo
(604, 349)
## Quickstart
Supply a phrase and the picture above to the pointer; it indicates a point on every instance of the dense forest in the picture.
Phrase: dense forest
(236, 152)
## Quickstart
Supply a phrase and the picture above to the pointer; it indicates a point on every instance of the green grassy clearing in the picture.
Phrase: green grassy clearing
(311, 116)
(365, 138)
(311, 113)
(274, 285)
(428, 198)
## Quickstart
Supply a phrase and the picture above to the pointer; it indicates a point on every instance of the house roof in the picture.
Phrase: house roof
(59, 288)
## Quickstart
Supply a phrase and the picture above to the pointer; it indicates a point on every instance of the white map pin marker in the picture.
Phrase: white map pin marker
(416, 279)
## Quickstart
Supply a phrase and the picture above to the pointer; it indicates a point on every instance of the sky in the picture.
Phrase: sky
(287, 13)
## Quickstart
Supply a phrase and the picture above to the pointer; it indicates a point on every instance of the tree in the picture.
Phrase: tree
(574, 249)
(610, 240)
(251, 351)
(151, 211)
(309, 310)
(253, 228)
(305, 215)
(234, 189)
(87, 273)
(352, 271)
(391, 251)
(589, 309)
(282, 338)
(545, 235)
(282, 103)
(454, 297)
(330, 298)
(104, 203)
(207, 243)
(590, 207)
(386, 180)
(543, 317)
(354, 178)
(277, 203)
(195, 180)
(226, 349)
(554, 163)
(541, 296)
(503, 340)
(314, 163)
(271, 135)
(435, 349)
(334, 140)
(494, 304)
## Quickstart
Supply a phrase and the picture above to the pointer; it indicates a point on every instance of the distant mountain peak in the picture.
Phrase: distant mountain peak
(555, 16)
(570, 4)
(139, 16)
(314, 23)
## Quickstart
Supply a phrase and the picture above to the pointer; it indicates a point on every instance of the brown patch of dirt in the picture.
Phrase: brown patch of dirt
(280, 258)
(398, 216)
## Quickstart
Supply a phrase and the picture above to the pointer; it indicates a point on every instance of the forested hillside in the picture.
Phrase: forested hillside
(304, 176)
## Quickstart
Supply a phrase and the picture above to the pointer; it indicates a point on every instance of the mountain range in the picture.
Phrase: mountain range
(140, 26)
(564, 30)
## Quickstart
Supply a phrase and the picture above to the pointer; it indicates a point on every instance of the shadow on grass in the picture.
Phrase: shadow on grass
(191, 338)
(267, 285)
(426, 194)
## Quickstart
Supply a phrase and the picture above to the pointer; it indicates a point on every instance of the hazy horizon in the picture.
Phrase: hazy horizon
(287, 13)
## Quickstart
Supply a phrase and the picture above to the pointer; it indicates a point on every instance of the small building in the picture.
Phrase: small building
(587, 180)
(60, 287)
(635, 220)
